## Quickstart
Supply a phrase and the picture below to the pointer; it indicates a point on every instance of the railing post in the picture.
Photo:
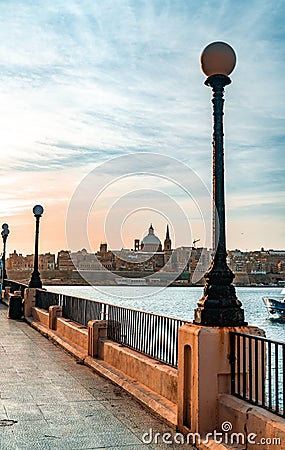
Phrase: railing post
(29, 301)
(54, 312)
(7, 292)
(97, 329)
(233, 362)
(205, 371)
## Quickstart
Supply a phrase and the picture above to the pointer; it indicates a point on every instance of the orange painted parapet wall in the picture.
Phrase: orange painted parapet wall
(41, 316)
(257, 424)
(151, 382)
(158, 377)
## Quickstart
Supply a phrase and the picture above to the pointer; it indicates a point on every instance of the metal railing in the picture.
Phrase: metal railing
(82, 310)
(15, 286)
(45, 299)
(151, 334)
(147, 333)
(258, 371)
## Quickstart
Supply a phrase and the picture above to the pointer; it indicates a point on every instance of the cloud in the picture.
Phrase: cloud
(84, 81)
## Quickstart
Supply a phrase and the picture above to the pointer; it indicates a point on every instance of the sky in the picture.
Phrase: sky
(101, 87)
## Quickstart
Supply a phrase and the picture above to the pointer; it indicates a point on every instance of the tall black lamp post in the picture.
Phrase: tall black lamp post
(36, 279)
(219, 305)
(4, 233)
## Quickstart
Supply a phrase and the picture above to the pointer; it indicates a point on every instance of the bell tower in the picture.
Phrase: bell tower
(167, 247)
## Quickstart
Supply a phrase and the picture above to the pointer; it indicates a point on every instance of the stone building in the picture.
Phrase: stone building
(19, 262)
(64, 261)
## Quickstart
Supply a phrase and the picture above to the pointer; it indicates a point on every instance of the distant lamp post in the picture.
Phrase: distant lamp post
(219, 305)
(4, 233)
(36, 279)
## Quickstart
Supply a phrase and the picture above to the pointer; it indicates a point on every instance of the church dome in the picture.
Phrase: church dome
(151, 242)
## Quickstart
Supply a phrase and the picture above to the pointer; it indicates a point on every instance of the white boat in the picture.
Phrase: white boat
(276, 305)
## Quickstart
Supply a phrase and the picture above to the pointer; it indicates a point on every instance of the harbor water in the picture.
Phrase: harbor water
(180, 302)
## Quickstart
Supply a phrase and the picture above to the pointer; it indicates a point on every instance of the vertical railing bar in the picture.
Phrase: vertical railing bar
(135, 329)
(283, 380)
(168, 342)
(276, 378)
(166, 348)
(233, 361)
(154, 329)
(122, 335)
(244, 366)
(165, 354)
(154, 345)
(269, 377)
(256, 370)
(154, 340)
(85, 313)
(161, 338)
(148, 318)
(263, 372)
(250, 367)
(152, 336)
(238, 364)
(141, 336)
(129, 330)
(171, 339)
(158, 330)
(163, 347)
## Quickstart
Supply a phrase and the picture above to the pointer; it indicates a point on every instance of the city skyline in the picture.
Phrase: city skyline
(85, 82)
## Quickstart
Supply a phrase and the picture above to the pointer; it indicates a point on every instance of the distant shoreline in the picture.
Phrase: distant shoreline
(157, 285)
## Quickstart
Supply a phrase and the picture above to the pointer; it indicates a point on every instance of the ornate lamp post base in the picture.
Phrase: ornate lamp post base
(219, 317)
(219, 305)
(35, 281)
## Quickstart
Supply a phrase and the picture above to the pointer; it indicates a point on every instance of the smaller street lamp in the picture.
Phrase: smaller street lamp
(35, 281)
(4, 233)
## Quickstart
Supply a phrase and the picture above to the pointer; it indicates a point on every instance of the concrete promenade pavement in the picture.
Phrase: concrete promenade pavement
(48, 401)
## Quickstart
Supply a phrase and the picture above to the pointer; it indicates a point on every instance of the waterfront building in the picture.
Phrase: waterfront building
(19, 262)
(15, 261)
(64, 261)
(84, 260)
(105, 257)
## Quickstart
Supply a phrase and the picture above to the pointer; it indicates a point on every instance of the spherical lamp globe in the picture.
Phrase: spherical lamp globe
(218, 58)
(38, 210)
